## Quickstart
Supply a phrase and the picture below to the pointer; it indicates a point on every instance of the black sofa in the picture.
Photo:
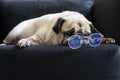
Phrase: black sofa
(60, 62)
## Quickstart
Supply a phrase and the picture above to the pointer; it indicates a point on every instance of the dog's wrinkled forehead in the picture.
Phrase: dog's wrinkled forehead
(79, 25)
(73, 24)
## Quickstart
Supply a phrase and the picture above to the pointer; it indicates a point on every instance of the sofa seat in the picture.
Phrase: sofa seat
(60, 62)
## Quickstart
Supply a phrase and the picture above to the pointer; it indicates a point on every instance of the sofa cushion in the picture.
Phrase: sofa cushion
(14, 11)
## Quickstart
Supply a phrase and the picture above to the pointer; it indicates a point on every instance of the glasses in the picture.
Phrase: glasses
(93, 40)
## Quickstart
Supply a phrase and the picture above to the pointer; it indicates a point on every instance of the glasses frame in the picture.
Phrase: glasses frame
(88, 40)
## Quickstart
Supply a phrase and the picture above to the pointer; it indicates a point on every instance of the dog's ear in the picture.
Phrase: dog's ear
(94, 30)
(58, 25)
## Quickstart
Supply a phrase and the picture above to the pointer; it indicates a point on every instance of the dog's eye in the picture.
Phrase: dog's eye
(70, 32)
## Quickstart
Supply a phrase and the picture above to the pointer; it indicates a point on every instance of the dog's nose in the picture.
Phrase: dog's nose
(86, 33)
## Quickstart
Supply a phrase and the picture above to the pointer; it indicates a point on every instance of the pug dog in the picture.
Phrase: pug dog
(50, 29)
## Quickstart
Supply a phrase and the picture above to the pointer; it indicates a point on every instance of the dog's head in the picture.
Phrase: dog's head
(72, 25)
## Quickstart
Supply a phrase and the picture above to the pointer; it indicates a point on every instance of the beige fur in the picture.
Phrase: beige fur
(40, 30)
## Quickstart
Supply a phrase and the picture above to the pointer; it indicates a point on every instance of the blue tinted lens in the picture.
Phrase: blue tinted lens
(75, 41)
(95, 39)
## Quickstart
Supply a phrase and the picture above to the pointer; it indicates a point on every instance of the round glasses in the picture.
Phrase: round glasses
(76, 41)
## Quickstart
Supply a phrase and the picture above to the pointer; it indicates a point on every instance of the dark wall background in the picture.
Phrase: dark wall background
(107, 17)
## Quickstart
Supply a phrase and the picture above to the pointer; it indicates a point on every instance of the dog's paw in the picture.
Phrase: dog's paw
(24, 43)
(108, 40)
(3, 44)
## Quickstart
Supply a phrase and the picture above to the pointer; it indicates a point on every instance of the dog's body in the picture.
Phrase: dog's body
(51, 29)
